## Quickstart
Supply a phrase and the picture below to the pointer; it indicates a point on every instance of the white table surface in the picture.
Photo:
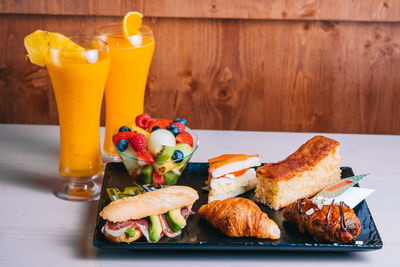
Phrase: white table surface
(37, 229)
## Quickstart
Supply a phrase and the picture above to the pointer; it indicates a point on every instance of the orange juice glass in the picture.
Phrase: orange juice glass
(126, 83)
(78, 79)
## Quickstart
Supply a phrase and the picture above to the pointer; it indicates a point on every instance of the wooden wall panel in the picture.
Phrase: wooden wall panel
(339, 10)
(280, 76)
(318, 76)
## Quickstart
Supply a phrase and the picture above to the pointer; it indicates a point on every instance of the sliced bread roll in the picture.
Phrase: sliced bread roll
(151, 203)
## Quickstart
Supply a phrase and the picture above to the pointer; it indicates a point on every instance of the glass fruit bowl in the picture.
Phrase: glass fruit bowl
(164, 165)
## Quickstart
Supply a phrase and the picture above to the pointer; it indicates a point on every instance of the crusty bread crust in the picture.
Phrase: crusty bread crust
(124, 238)
(151, 203)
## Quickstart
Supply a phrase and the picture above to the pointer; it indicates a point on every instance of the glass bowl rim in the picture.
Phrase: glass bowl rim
(195, 146)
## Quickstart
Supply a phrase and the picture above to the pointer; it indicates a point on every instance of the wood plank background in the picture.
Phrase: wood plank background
(251, 65)
(339, 10)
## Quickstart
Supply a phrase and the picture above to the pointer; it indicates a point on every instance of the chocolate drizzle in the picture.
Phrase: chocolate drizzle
(328, 214)
(300, 204)
(343, 224)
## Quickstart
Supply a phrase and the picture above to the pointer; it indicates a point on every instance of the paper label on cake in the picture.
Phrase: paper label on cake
(336, 189)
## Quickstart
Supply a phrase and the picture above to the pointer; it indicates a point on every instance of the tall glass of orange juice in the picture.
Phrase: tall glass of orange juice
(130, 62)
(78, 79)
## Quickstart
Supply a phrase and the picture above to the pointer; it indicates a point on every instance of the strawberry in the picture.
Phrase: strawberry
(138, 142)
(185, 137)
(163, 124)
(158, 179)
(168, 122)
(121, 135)
(181, 120)
(180, 126)
(143, 120)
(145, 158)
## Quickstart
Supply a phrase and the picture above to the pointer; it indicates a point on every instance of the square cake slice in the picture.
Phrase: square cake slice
(315, 165)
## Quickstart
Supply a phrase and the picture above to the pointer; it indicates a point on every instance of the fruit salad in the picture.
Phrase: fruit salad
(155, 151)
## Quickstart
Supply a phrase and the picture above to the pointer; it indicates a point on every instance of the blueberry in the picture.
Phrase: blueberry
(124, 129)
(155, 128)
(178, 156)
(174, 130)
(122, 145)
(181, 121)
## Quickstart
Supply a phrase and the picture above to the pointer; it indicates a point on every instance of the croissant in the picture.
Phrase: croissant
(238, 217)
(334, 223)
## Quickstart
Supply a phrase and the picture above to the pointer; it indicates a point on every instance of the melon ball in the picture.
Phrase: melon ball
(158, 139)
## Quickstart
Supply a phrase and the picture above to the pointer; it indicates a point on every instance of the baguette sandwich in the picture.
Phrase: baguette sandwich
(152, 214)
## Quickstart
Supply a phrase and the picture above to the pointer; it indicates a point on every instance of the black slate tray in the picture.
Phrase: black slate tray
(199, 235)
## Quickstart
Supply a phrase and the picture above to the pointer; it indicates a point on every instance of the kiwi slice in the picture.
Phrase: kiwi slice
(170, 178)
(146, 174)
(186, 150)
(165, 153)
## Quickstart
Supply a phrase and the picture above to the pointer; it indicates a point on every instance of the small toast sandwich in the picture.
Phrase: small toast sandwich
(152, 214)
(231, 175)
(315, 165)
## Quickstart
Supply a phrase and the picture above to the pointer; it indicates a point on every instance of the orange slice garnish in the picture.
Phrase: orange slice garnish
(132, 23)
